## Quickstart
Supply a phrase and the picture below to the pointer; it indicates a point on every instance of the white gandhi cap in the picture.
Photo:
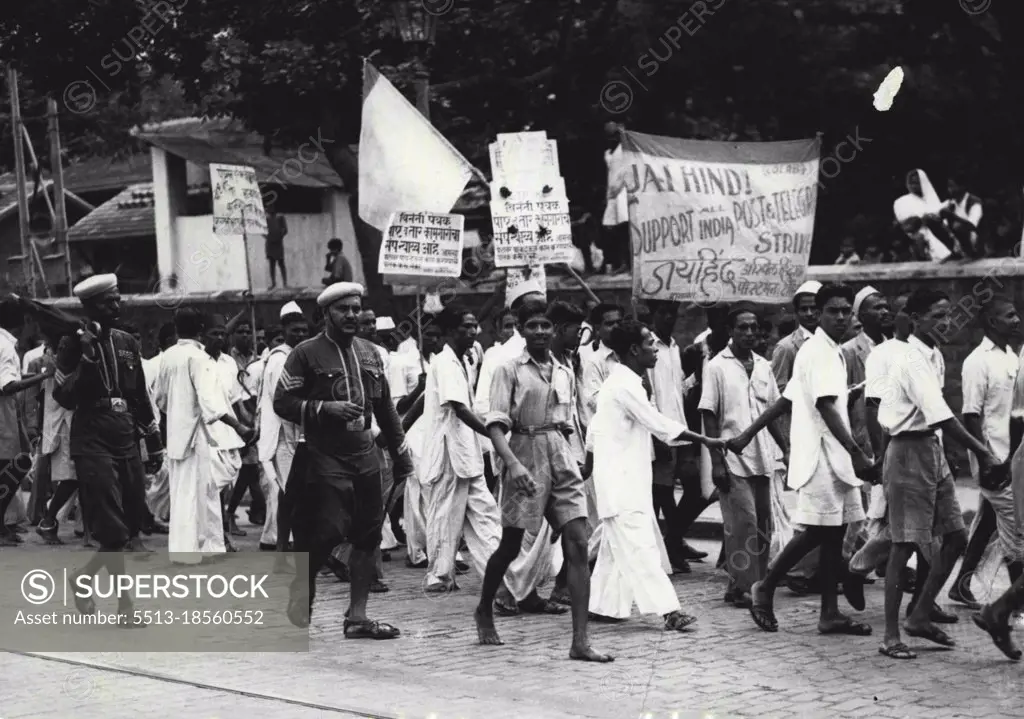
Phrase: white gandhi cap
(858, 300)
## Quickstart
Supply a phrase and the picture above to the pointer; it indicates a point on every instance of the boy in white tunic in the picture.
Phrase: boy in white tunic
(989, 374)
(629, 567)
(199, 420)
(278, 438)
(452, 469)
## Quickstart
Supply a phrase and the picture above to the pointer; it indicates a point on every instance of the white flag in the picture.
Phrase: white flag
(404, 163)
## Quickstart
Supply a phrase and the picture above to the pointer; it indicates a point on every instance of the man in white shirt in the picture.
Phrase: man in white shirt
(666, 381)
(451, 471)
(920, 492)
(278, 438)
(605, 317)
(408, 379)
(158, 493)
(823, 465)
(629, 565)
(203, 438)
(738, 386)
(989, 374)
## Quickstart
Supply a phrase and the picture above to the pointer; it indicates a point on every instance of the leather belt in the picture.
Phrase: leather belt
(115, 404)
(535, 430)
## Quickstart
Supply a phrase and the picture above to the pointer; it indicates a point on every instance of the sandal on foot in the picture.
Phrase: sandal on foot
(369, 629)
(1001, 637)
(505, 610)
(677, 621)
(564, 599)
(932, 634)
(848, 627)
(379, 587)
(542, 606)
(897, 651)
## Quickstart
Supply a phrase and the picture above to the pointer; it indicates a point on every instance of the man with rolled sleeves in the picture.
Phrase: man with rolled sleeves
(99, 375)
(331, 384)
(802, 577)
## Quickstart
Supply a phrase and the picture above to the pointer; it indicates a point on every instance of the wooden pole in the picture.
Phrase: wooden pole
(248, 275)
(60, 225)
(28, 269)
(35, 170)
(419, 323)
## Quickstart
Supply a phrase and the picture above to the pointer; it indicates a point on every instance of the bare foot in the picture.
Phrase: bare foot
(588, 654)
(485, 631)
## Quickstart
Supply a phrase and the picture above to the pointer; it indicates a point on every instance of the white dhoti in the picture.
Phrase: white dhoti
(414, 521)
(631, 569)
(158, 493)
(195, 484)
(459, 506)
(593, 521)
(539, 560)
(272, 482)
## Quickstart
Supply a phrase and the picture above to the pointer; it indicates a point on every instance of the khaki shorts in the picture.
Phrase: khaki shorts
(560, 496)
(919, 490)
(826, 501)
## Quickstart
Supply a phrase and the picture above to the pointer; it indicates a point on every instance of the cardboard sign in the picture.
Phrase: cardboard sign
(237, 201)
(422, 244)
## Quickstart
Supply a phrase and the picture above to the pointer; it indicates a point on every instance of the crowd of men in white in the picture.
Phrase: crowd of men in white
(568, 429)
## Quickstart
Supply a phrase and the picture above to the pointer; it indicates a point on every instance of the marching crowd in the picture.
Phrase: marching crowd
(548, 463)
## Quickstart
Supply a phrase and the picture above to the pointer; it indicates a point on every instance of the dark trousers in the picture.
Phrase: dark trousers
(113, 494)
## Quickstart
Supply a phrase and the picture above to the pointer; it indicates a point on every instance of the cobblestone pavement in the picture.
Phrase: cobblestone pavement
(725, 668)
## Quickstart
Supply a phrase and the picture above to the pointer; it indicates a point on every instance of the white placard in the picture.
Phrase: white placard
(426, 244)
(532, 231)
(237, 201)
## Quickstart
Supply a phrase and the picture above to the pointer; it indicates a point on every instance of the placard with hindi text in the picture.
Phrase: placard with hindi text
(424, 244)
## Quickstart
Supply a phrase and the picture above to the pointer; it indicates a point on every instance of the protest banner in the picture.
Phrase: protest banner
(719, 221)
(424, 244)
(237, 202)
(529, 209)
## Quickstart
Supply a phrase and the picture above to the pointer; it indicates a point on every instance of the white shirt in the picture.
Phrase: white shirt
(227, 378)
(189, 393)
(616, 211)
(818, 371)
(667, 380)
(271, 426)
(510, 350)
(404, 375)
(906, 385)
(989, 373)
(10, 371)
(451, 439)
(595, 371)
(32, 355)
(934, 357)
(620, 438)
(736, 400)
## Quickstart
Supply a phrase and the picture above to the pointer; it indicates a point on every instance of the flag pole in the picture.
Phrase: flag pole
(419, 321)
(248, 276)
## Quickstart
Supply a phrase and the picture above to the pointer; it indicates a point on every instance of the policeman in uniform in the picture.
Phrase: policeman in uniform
(332, 384)
(99, 376)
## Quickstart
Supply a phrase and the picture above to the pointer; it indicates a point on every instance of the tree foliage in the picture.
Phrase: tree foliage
(716, 69)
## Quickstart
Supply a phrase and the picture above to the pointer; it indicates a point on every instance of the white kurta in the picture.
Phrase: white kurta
(632, 565)
(404, 375)
(277, 442)
(189, 393)
(158, 493)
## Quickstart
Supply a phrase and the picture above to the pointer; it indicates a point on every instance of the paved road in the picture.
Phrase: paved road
(726, 668)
